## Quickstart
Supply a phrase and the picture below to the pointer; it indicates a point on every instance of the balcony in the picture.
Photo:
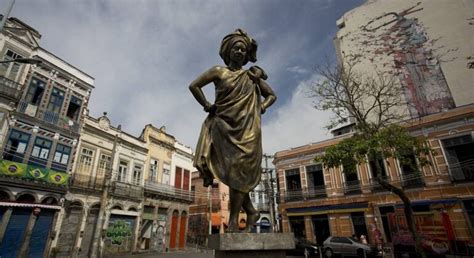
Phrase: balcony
(126, 190)
(376, 187)
(316, 193)
(49, 117)
(87, 182)
(412, 181)
(167, 191)
(304, 194)
(10, 90)
(352, 187)
(16, 173)
(462, 172)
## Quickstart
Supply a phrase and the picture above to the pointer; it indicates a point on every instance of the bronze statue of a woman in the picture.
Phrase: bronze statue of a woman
(230, 144)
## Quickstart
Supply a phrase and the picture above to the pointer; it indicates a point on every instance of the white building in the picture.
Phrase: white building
(104, 152)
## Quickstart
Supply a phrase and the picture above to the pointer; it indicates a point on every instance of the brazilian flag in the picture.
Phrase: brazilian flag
(10, 168)
(38, 174)
(58, 178)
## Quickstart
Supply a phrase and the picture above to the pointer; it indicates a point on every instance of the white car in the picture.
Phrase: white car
(346, 246)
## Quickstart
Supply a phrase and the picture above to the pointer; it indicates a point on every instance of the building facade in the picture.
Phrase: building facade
(167, 191)
(431, 58)
(108, 160)
(41, 112)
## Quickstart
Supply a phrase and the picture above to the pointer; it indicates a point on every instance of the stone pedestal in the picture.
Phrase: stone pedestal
(251, 245)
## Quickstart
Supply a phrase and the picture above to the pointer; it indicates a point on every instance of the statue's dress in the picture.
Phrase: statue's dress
(230, 144)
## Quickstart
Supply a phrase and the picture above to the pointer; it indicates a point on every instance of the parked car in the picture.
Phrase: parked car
(304, 248)
(346, 246)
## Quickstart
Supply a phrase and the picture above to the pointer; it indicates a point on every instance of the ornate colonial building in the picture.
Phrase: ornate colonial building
(167, 191)
(41, 112)
(104, 204)
(431, 59)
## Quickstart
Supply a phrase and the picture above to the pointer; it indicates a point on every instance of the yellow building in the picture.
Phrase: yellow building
(167, 192)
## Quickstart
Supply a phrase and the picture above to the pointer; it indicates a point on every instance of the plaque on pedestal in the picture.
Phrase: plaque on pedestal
(243, 245)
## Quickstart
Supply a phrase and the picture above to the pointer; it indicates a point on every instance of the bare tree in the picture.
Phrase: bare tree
(375, 103)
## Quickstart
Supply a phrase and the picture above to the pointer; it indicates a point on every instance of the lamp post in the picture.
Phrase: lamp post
(22, 61)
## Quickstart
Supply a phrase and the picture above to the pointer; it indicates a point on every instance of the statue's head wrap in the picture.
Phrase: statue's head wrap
(231, 39)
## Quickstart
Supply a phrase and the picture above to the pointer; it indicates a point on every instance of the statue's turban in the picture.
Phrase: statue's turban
(231, 39)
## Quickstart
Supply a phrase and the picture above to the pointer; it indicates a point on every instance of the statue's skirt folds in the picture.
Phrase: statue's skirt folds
(230, 143)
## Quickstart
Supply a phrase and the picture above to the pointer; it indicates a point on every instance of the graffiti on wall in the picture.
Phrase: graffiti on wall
(417, 67)
(118, 232)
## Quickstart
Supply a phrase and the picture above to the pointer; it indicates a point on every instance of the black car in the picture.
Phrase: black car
(304, 248)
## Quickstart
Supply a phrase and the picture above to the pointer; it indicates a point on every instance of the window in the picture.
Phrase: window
(293, 181)
(41, 148)
(460, 157)
(316, 184)
(104, 164)
(61, 157)
(122, 173)
(40, 152)
(411, 175)
(56, 100)
(137, 174)
(16, 146)
(11, 69)
(153, 176)
(85, 161)
(74, 108)
(62, 154)
(35, 91)
(166, 174)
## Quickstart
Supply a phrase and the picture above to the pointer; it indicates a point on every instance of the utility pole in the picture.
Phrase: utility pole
(96, 248)
(268, 183)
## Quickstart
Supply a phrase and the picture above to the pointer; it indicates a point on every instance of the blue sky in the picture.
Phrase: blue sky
(144, 54)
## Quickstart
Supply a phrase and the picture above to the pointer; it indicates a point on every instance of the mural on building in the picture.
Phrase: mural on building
(435, 237)
(418, 68)
(118, 232)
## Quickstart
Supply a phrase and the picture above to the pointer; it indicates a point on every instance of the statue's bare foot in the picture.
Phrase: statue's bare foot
(251, 220)
(233, 228)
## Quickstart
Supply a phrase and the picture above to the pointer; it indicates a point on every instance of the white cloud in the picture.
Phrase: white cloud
(297, 69)
(296, 123)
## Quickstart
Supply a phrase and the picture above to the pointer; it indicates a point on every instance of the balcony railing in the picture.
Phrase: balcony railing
(167, 190)
(87, 182)
(126, 190)
(48, 116)
(303, 194)
(412, 181)
(462, 172)
(352, 187)
(10, 89)
(376, 187)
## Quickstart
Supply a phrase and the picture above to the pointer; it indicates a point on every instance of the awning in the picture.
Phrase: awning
(328, 209)
(30, 205)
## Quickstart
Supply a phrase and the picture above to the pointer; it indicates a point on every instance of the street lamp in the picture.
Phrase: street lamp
(22, 61)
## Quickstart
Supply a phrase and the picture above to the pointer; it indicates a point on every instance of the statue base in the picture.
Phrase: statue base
(243, 245)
